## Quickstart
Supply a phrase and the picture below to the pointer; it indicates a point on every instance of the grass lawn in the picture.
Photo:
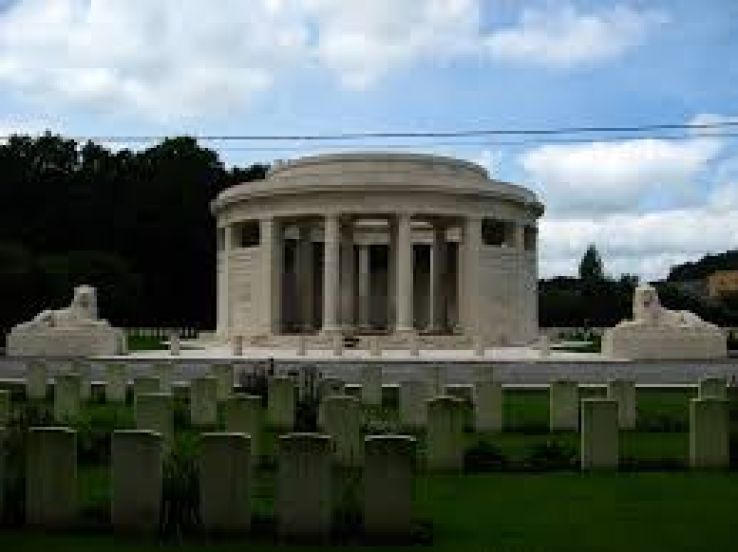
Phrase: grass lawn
(553, 511)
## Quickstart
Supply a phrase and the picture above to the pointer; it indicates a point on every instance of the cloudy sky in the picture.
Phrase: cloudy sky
(158, 67)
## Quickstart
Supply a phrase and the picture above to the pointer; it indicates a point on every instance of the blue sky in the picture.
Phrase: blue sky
(113, 67)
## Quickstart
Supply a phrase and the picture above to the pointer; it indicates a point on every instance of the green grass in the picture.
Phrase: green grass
(145, 343)
(562, 511)
(555, 510)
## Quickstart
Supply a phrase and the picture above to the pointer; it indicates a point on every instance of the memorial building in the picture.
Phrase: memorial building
(378, 243)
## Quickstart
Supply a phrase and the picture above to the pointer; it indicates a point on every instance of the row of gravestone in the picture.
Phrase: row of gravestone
(485, 395)
(304, 487)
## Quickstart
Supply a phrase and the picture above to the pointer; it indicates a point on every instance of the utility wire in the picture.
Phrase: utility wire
(476, 144)
(469, 133)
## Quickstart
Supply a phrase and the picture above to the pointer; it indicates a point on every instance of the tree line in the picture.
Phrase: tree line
(134, 224)
(594, 299)
(137, 226)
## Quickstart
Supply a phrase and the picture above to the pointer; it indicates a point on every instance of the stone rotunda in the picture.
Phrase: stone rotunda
(378, 243)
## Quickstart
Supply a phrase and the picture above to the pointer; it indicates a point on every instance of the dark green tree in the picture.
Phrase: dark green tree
(590, 267)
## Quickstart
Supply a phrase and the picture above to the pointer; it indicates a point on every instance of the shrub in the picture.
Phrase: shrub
(306, 414)
(14, 448)
(180, 492)
(661, 422)
(631, 464)
(347, 514)
(94, 429)
(551, 455)
(255, 381)
(484, 456)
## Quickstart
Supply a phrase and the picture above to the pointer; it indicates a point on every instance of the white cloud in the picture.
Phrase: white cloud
(647, 244)
(175, 58)
(616, 176)
(165, 58)
(362, 41)
(561, 36)
(628, 198)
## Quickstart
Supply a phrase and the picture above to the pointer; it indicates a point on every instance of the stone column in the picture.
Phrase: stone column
(306, 275)
(281, 403)
(392, 274)
(599, 438)
(388, 485)
(413, 409)
(204, 401)
(153, 412)
(371, 384)
(83, 369)
(347, 275)
(445, 446)
(67, 390)
(271, 249)
(51, 477)
(244, 414)
(223, 374)
(716, 388)
(136, 481)
(364, 287)
(623, 392)
(330, 274)
(488, 406)
(405, 322)
(438, 279)
(4, 419)
(175, 345)
(116, 382)
(519, 313)
(304, 486)
(164, 371)
(471, 291)
(709, 433)
(36, 380)
(225, 483)
(342, 421)
(224, 294)
(563, 406)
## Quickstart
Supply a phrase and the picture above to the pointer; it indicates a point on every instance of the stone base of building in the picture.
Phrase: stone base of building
(393, 341)
(664, 342)
(66, 341)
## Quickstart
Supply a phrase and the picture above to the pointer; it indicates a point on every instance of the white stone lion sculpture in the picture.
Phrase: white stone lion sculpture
(74, 331)
(81, 312)
(656, 333)
(647, 310)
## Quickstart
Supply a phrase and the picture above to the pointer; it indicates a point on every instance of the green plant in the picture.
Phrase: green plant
(180, 491)
(94, 429)
(484, 456)
(551, 455)
(347, 514)
(14, 448)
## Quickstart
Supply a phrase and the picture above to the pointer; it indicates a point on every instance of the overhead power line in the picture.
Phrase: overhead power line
(474, 144)
(451, 134)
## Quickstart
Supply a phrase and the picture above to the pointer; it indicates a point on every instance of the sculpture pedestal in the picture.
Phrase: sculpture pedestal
(643, 342)
(70, 341)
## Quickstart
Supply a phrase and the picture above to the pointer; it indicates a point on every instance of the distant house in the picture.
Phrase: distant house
(722, 282)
